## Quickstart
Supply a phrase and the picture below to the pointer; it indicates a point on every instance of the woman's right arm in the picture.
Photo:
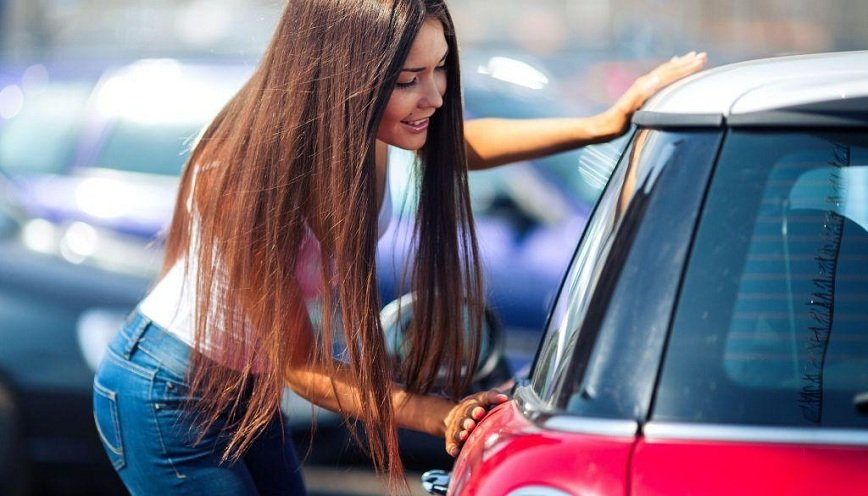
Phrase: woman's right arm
(333, 386)
(336, 389)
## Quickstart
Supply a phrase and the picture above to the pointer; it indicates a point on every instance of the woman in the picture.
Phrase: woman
(279, 212)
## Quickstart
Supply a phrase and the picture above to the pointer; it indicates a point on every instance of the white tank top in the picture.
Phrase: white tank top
(171, 302)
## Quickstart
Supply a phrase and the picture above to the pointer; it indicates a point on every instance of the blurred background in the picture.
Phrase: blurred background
(100, 100)
(578, 38)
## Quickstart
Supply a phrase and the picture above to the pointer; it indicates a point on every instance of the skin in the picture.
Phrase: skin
(490, 142)
(419, 90)
(335, 389)
(493, 142)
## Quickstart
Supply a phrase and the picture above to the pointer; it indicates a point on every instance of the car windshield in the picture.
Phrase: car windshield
(770, 327)
(146, 147)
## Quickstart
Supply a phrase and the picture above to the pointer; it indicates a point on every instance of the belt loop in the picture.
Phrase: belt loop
(141, 323)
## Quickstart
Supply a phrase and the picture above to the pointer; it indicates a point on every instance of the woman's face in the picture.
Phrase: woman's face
(419, 90)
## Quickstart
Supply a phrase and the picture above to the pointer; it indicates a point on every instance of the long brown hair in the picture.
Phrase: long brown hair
(296, 148)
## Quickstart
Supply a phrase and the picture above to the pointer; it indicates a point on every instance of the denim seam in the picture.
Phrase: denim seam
(132, 367)
(161, 364)
(112, 397)
(178, 473)
(141, 323)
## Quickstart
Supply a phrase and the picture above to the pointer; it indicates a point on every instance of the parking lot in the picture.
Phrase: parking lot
(326, 481)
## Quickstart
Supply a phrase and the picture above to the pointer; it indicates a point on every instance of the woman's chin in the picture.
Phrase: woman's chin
(412, 146)
(406, 140)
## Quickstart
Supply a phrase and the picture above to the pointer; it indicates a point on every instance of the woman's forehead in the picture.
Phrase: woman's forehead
(429, 46)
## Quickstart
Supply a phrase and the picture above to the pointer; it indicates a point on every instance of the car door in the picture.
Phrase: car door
(763, 387)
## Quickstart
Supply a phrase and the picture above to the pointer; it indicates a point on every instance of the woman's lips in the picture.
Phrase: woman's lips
(416, 126)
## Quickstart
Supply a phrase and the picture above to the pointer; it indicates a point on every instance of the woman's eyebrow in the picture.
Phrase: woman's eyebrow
(420, 69)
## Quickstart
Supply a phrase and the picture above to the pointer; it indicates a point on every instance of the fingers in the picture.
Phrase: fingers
(456, 440)
(461, 436)
(452, 448)
(663, 75)
(466, 415)
(494, 397)
(676, 68)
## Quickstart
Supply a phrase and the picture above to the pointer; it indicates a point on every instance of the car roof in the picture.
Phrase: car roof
(819, 89)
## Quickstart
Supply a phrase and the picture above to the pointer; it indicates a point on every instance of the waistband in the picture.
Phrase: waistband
(140, 332)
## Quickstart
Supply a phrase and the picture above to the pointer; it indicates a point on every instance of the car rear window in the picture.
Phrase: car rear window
(772, 324)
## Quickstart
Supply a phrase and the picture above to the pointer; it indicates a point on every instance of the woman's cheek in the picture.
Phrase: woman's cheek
(397, 108)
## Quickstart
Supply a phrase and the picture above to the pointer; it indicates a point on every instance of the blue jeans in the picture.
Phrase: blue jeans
(139, 395)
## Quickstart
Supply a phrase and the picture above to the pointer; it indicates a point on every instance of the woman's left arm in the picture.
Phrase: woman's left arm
(492, 142)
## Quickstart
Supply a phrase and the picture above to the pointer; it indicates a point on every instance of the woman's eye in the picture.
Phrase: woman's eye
(412, 82)
(407, 84)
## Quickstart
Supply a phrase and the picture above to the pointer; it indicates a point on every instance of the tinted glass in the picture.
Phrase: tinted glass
(604, 329)
(575, 294)
(617, 355)
(772, 326)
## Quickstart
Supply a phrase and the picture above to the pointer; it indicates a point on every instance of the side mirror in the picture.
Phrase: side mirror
(492, 368)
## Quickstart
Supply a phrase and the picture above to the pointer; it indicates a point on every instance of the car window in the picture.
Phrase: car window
(771, 325)
(604, 328)
(612, 370)
(574, 295)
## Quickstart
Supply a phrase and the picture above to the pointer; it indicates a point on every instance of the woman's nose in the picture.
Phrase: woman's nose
(433, 95)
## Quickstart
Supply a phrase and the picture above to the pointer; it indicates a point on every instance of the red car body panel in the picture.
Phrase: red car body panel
(507, 452)
(727, 468)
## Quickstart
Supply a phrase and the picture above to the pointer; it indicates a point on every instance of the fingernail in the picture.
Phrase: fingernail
(502, 397)
(453, 452)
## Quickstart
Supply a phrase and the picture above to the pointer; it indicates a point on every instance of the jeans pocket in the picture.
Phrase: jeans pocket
(105, 415)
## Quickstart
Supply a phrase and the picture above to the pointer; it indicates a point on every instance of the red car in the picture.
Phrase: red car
(711, 333)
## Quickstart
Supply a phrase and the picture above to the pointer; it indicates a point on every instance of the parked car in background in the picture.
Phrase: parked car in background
(89, 170)
(711, 333)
